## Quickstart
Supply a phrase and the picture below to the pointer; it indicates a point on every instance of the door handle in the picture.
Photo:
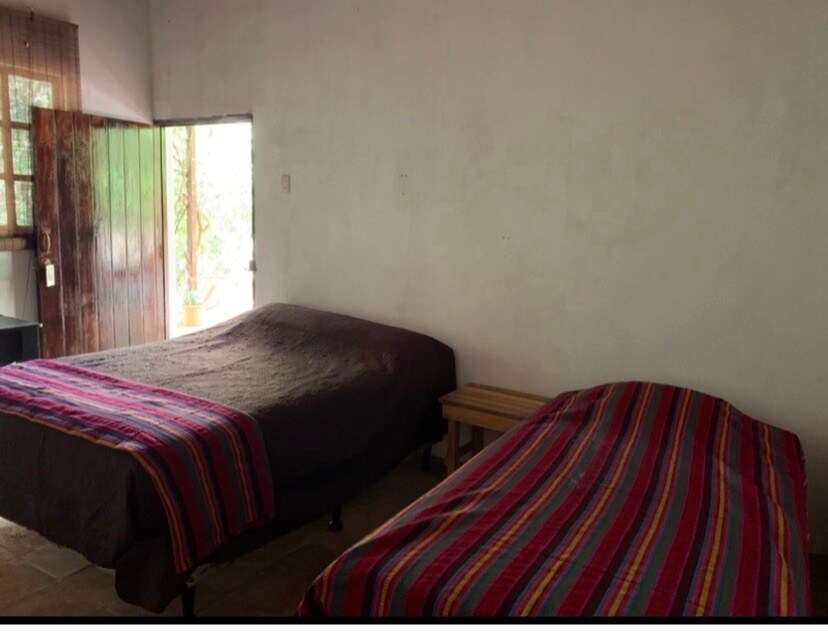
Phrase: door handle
(46, 242)
(45, 256)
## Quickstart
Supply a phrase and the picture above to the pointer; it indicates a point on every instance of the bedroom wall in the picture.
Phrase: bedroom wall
(114, 40)
(566, 192)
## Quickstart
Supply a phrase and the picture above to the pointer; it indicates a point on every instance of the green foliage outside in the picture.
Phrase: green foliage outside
(24, 93)
(224, 200)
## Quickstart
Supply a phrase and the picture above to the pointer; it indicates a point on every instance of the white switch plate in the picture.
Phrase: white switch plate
(285, 184)
(50, 275)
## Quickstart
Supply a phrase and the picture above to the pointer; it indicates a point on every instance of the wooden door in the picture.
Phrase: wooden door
(98, 218)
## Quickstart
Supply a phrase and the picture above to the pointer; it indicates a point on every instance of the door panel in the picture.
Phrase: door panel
(161, 311)
(117, 211)
(52, 341)
(102, 231)
(132, 189)
(96, 216)
(67, 226)
(148, 243)
(86, 236)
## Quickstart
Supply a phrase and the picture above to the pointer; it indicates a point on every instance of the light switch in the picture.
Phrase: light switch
(285, 184)
(50, 274)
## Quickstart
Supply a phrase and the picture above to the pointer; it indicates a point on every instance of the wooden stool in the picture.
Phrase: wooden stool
(483, 407)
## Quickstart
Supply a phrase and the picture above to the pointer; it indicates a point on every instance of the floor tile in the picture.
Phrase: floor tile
(55, 600)
(19, 540)
(97, 585)
(56, 561)
(226, 577)
(6, 555)
(271, 592)
(17, 580)
(228, 606)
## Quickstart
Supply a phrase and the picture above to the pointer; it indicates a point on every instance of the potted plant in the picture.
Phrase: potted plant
(193, 307)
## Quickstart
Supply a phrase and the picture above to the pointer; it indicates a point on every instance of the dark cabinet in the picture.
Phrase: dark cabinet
(19, 340)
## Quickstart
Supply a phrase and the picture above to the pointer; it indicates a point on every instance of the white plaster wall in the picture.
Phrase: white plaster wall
(567, 192)
(18, 293)
(114, 41)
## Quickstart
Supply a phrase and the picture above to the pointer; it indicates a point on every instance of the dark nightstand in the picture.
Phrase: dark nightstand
(19, 340)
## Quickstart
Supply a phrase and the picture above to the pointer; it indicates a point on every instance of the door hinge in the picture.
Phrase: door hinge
(252, 266)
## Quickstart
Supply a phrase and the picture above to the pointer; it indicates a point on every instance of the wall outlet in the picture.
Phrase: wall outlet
(285, 184)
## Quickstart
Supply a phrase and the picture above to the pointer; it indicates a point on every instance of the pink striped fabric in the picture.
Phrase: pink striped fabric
(627, 499)
(206, 460)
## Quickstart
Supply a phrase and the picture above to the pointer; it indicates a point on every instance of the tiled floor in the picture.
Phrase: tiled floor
(38, 578)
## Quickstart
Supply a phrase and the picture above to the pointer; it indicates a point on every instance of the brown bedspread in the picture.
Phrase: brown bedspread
(340, 402)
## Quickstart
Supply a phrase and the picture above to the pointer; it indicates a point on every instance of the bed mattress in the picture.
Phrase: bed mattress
(628, 499)
(340, 401)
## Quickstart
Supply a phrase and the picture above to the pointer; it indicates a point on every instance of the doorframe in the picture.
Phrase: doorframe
(217, 119)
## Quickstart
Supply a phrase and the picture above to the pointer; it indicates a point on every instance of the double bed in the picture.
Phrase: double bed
(627, 499)
(339, 402)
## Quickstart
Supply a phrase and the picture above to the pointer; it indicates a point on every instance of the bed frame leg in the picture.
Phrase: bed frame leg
(336, 519)
(427, 458)
(188, 602)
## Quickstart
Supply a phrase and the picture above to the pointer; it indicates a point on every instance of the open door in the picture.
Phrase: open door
(98, 217)
(208, 176)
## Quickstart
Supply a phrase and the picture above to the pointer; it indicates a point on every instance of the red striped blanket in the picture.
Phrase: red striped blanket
(207, 461)
(624, 499)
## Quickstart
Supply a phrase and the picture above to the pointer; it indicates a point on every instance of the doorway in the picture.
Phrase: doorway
(208, 169)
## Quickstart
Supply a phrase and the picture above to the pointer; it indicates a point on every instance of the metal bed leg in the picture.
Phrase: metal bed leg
(336, 519)
(427, 458)
(188, 602)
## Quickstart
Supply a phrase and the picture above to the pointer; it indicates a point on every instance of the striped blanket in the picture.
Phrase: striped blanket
(207, 461)
(625, 499)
